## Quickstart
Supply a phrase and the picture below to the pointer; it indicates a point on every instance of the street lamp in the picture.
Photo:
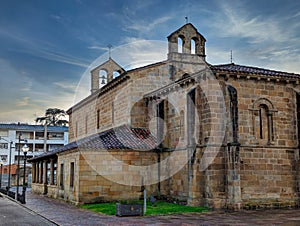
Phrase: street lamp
(1, 164)
(18, 167)
(25, 149)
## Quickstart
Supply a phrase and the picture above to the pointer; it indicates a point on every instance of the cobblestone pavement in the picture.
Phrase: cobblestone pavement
(63, 213)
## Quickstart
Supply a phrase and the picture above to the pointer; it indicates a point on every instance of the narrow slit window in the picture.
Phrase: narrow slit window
(98, 119)
(72, 169)
(61, 181)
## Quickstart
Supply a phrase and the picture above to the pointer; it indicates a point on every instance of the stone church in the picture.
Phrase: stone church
(222, 136)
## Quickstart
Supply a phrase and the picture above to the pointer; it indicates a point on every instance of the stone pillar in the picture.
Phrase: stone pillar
(41, 173)
(234, 200)
(186, 48)
(37, 171)
(297, 167)
(51, 171)
(45, 172)
(195, 188)
(33, 172)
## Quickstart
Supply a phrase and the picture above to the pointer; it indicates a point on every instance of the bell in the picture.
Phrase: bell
(103, 82)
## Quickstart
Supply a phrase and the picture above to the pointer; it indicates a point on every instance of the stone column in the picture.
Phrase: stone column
(41, 173)
(51, 171)
(33, 172)
(45, 172)
(37, 171)
(233, 178)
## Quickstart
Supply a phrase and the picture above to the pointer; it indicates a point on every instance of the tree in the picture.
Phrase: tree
(53, 117)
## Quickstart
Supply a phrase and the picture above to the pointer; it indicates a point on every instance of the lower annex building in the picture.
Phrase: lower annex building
(223, 136)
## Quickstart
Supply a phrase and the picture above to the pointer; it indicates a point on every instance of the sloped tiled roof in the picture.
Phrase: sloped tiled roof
(122, 137)
(253, 70)
(20, 126)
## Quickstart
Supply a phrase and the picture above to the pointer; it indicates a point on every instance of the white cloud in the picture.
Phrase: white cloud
(134, 54)
(98, 47)
(143, 26)
(235, 21)
(264, 40)
(42, 49)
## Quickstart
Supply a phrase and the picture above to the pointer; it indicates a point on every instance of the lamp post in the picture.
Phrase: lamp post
(18, 167)
(25, 149)
(9, 166)
(1, 164)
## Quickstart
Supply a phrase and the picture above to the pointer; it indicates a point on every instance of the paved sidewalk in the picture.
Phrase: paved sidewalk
(11, 213)
(63, 213)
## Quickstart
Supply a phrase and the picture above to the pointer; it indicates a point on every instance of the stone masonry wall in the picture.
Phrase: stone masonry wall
(268, 174)
(267, 164)
(102, 175)
(115, 107)
(66, 191)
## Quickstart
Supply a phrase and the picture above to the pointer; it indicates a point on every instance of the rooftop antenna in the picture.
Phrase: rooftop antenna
(109, 50)
(186, 20)
(231, 57)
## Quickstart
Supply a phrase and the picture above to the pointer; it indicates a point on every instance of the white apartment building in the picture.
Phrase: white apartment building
(33, 135)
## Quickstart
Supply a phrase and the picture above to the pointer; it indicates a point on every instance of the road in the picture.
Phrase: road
(12, 213)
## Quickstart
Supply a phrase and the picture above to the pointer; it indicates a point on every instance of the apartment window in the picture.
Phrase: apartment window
(61, 179)
(3, 146)
(72, 174)
(3, 158)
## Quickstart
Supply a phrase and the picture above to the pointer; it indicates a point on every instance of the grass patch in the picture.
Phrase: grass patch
(160, 207)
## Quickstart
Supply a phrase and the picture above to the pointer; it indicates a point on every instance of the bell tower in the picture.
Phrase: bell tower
(186, 51)
(105, 73)
(187, 40)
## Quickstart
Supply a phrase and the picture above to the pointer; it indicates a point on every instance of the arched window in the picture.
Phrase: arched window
(193, 46)
(263, 120)
(234, 112)
(265, 123)
(102, 77)
(160, 109)
(115, 74)
(180, 44)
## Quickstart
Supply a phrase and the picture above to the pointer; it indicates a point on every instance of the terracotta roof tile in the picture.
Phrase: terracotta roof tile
(253, 70)
(122, 137)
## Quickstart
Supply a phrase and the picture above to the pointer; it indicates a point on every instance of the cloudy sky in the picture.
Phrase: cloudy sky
(47, 47)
